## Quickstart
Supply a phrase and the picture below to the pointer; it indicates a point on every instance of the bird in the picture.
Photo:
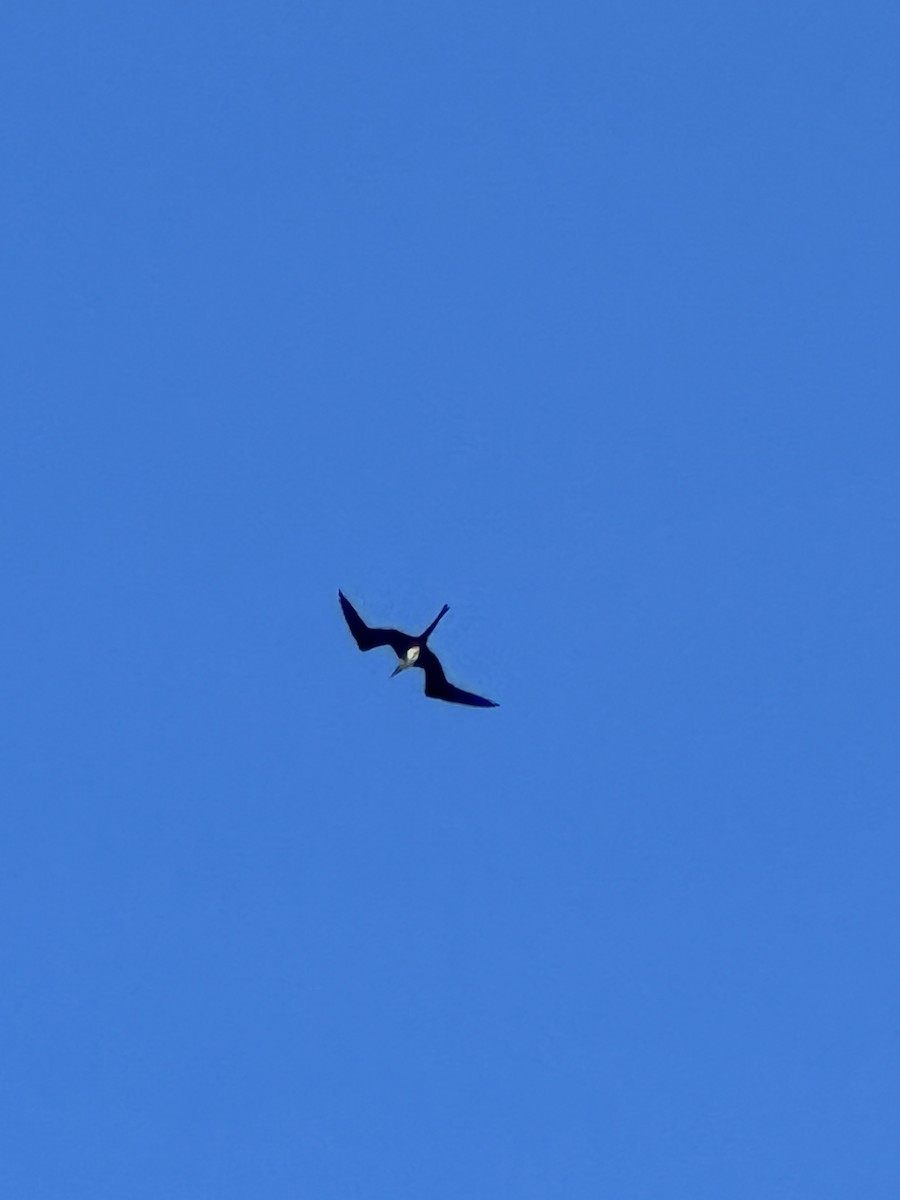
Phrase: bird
(412, 652)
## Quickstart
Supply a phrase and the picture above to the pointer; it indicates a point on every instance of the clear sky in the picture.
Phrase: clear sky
(583, 319)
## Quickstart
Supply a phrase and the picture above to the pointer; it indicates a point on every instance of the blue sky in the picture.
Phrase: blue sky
(581, 318)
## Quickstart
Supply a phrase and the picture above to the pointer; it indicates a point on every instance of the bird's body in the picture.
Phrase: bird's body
(412, 652)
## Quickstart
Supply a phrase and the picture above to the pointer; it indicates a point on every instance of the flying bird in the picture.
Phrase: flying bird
(412, 652)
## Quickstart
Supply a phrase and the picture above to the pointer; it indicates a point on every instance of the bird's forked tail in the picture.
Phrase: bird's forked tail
(430, 629)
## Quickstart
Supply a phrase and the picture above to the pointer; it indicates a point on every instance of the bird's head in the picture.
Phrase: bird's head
(410, 661)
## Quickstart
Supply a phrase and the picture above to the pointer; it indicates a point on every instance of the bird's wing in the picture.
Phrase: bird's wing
(368, 638)
(437, 687)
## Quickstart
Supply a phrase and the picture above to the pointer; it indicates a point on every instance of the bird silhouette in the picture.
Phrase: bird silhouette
(412, 652)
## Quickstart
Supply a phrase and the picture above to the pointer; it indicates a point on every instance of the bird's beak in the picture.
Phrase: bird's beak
(397, 671)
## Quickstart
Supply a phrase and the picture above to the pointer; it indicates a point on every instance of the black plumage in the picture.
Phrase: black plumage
(412, 652)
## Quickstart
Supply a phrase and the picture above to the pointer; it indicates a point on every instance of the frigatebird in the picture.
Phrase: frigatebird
(412, 652)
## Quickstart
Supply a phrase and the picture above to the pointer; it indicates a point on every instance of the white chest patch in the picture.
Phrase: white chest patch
(412, 654)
